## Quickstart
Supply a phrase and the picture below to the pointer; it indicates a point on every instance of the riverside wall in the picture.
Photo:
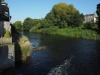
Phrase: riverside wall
(7, 57)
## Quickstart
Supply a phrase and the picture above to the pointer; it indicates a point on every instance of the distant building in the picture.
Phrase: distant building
(90, 18)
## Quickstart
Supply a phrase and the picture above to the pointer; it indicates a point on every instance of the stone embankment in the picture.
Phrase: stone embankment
(7, 57)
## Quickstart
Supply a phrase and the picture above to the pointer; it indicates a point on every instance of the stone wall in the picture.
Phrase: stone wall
(6, 57)
(11, 52)
(4, 25)
(5, 40)
(7, 26)
(2, 30)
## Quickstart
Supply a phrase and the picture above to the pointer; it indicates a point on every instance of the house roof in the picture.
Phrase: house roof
(91, 14)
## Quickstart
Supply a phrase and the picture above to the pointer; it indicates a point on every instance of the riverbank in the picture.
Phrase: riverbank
(23, 49)
(71, 32)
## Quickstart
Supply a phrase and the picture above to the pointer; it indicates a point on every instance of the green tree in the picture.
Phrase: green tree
(77, 19)
(18, 25)
(27, 24)
(89, 25)
(37, 24)
(98, 13)
(63, 15)
(44, 23)
(36, 21)
(50, 18)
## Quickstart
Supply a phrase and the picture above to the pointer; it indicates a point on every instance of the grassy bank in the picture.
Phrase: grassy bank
(71, 32)
(25, 47)
(22, 49)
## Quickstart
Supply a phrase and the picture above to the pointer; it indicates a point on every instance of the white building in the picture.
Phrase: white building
(90, 18)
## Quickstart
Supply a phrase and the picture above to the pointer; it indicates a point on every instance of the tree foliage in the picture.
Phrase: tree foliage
(98, 13)
(89, 25)
(18, 25)
(27, 24)
(36, 21)
(63, 15)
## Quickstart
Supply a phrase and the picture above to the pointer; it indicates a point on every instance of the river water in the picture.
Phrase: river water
(84, 56)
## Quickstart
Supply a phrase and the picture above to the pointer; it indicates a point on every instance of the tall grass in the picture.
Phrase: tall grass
(71, 32)
(25, 47)
(78, 33)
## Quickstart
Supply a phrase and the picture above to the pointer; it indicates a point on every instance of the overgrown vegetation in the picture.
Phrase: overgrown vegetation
(90, 25)
(63, 15)
(64, 20)
(22, 50)
(7, 34)
(18, 25)
(25, 47)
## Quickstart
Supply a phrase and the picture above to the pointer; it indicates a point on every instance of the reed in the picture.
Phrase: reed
(25, 46)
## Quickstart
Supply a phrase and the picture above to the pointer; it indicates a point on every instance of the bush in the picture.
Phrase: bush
(34, 28)
(88, 25)
(49, 30)
(7, 34)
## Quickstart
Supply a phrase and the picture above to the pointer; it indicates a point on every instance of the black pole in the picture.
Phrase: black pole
(1, 23)
(0, 5)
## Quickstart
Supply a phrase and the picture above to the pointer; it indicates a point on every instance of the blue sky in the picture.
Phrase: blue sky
(20, 9)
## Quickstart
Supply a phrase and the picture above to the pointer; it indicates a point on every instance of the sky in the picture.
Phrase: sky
(37, 9)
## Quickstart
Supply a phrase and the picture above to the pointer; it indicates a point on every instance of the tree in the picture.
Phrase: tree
(63, 15)
(89, 25)
(44, 23)
(98, 13)
(50, 18)
(77, 19)
(36, 21)
(18, 25)
(27, 24)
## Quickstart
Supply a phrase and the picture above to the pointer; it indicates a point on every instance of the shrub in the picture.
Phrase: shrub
(88, 25)
(34, 28)
(7, 34)
(49, 30)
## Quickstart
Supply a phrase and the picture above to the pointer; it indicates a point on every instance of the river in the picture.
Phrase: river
(52, 52)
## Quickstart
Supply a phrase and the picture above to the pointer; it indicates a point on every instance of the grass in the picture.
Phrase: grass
(71, 32)
(25, 47)
(78, 33)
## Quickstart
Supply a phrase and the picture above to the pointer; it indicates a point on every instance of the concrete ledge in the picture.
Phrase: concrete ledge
(6, 40)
